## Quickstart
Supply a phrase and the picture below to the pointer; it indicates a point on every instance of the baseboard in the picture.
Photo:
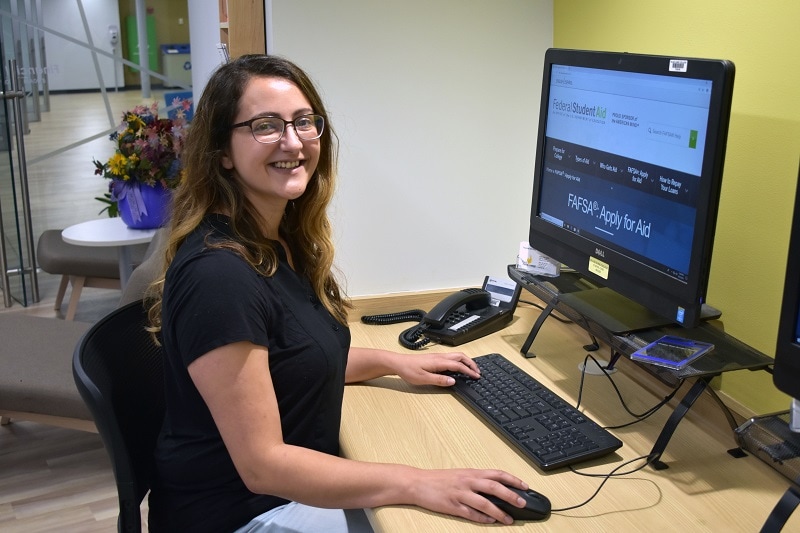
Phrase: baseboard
(50, 420)
(395, 302)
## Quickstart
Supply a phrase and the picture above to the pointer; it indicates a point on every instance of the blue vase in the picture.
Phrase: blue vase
(141, 206)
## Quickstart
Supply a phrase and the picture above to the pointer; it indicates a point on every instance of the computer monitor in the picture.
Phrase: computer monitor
(627, 179)
(786, 372)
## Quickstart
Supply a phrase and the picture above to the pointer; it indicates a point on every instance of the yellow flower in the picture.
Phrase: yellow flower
(117, 163)
(134, 122)
(148, 148)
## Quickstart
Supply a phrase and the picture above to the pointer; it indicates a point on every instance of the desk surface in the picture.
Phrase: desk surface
(106, 232)
(704, 488)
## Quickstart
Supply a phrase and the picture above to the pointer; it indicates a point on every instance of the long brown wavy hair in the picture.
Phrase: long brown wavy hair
(207, 187)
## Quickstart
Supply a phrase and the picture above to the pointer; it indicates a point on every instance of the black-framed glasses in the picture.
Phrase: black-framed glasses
(268, 130)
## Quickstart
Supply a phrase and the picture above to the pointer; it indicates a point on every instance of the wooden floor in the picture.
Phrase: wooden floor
(52, 478)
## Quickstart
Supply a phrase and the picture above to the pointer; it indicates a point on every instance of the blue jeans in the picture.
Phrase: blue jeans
(298, 518)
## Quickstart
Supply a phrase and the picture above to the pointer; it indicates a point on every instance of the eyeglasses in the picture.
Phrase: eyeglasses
(268, 130)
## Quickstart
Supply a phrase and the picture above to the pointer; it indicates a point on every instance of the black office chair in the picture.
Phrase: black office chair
(118, 370)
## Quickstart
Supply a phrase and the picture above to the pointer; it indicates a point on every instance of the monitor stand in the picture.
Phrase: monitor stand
(584, 301)
(618, 314)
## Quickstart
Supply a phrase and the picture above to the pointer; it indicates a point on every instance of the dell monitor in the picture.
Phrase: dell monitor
(627, 179)
(786, 372)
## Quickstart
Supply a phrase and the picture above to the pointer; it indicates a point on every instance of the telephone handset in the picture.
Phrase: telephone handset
(470, 299)
(460, 317)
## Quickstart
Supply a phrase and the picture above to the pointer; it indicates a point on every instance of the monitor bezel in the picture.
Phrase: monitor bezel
(654, 290)
(786, 371)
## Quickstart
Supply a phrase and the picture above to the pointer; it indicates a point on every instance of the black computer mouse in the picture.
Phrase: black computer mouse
(537, 506)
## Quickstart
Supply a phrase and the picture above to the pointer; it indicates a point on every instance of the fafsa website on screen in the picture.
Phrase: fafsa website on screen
(623, 160)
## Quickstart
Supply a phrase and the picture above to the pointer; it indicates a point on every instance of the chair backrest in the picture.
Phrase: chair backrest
(144, 274)
(118, 370)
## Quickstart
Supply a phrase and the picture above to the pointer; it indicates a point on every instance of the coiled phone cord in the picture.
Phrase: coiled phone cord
(412, 315)
(414, 337)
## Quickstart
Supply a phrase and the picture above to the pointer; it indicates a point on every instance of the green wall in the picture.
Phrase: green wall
(761, 164)
(170, 26)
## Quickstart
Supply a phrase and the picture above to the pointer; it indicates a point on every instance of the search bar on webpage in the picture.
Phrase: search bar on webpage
(672, 135)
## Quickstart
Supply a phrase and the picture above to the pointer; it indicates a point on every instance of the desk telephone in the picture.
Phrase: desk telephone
(461, 317)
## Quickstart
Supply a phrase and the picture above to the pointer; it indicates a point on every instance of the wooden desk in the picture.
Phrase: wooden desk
(705, 489)
(109, 232)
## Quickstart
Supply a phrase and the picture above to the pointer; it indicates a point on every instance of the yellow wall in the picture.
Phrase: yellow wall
(761, 165)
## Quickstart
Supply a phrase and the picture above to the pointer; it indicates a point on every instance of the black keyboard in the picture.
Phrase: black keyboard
(548, 430)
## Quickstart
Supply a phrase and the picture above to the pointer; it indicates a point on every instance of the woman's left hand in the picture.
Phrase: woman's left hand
(426, 369)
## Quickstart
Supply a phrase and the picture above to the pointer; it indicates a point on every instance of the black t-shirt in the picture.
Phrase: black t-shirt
(212, 298)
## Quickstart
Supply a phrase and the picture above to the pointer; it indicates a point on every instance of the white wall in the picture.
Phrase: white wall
(436, 107)
(70, 65)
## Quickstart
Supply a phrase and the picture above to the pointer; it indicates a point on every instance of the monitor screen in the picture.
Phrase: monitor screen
(786, 373)
(627, 178)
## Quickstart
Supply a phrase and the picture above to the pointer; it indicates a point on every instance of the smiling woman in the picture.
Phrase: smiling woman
(253, 323)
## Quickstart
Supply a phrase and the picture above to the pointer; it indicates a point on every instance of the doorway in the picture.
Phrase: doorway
(72, 63)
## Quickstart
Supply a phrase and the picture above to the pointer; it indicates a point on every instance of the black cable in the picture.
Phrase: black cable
(414, 337)
(649, 459)
(638, 417)
(615, 471)
(650, 411)
(412, 315)
(605, 477)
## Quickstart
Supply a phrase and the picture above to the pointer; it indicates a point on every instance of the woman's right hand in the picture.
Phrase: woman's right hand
(458, 492)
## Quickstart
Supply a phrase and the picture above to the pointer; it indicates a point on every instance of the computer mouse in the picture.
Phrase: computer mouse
(537, 506)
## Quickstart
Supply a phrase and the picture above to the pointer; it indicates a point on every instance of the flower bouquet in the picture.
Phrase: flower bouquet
(145, 164)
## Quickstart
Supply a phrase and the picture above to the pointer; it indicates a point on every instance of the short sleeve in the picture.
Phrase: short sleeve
(213, 299)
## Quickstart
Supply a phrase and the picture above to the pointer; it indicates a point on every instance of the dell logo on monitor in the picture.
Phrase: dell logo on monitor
(599, 253)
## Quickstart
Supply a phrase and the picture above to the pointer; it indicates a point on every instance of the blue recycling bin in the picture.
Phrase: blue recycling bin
(176, 63)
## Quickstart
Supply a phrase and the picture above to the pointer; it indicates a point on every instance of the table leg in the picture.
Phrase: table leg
(125, 266)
